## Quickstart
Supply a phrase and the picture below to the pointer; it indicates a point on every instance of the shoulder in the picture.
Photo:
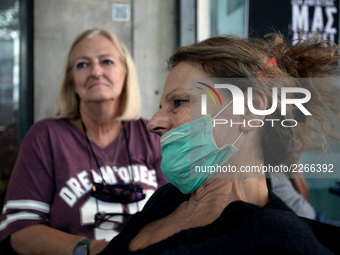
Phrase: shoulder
(270, 229)
(46, 127)
(275, 218)
(47, 124)
(281, 226)
(49, 133)
(290, 233)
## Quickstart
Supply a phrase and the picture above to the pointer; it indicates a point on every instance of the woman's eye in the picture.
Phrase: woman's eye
(108, 62)
(178, 102)
(81, 65)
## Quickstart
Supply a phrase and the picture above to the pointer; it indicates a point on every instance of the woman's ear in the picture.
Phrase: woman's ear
(254, 101)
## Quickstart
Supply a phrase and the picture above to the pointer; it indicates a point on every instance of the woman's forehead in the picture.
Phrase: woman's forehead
(95, 45)
(181, 75)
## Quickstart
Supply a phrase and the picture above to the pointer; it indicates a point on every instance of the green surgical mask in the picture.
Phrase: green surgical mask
(191, 145)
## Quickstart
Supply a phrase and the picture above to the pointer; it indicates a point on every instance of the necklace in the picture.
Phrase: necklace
(116, 153)
(101, 150)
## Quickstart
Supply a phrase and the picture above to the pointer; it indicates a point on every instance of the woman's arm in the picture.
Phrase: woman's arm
(41, 239)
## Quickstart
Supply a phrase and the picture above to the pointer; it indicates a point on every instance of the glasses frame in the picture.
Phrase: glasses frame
(118, 193)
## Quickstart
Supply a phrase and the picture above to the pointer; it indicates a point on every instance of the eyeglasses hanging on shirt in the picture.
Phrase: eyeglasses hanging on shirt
(114, 193)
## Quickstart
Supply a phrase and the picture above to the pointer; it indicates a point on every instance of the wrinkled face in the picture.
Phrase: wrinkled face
(178, 108)
(175, 101)
(98, 73)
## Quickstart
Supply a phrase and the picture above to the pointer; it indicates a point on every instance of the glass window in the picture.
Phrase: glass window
(228, 17)
(9, 89)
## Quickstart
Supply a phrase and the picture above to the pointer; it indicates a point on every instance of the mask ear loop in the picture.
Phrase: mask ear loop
(225, 107)
(239, 136)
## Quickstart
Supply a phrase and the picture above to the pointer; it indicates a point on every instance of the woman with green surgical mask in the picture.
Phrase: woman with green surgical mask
(217, 145)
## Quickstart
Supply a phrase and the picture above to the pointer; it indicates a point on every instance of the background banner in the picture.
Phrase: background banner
(291, 17)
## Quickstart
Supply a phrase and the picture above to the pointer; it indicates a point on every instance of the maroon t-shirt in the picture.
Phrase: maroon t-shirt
(52, 178)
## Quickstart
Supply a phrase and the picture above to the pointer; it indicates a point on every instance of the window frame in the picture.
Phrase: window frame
(25, 114)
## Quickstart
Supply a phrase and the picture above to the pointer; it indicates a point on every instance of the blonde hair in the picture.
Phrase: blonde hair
(68, 100)
(232, 57)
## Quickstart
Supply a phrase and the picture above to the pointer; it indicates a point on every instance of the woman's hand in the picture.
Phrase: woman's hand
(97, 246)
(41, 239)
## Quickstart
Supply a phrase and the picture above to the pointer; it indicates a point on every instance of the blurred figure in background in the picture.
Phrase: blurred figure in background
(79, 176)
(293, 188)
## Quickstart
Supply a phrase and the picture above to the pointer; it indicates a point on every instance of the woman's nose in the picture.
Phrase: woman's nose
(97, 70)
(160, 123)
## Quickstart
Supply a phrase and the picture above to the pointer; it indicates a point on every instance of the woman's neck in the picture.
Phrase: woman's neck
(101, 123)
(209, 200)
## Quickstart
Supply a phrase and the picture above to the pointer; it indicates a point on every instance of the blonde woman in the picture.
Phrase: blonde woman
(81, 175)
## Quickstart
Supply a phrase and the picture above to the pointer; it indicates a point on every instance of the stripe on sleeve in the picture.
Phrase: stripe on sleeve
(25, 204)
(19, 216)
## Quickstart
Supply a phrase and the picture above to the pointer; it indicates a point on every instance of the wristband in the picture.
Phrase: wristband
(82, 248)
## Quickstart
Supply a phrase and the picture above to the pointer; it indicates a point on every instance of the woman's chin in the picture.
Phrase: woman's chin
(99, 99)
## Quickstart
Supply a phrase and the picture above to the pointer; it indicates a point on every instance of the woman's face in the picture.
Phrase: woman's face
(175, 101)
(180, 105)
(98, 73)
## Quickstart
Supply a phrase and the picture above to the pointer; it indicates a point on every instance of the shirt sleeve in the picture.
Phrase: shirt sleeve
(31, 187)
